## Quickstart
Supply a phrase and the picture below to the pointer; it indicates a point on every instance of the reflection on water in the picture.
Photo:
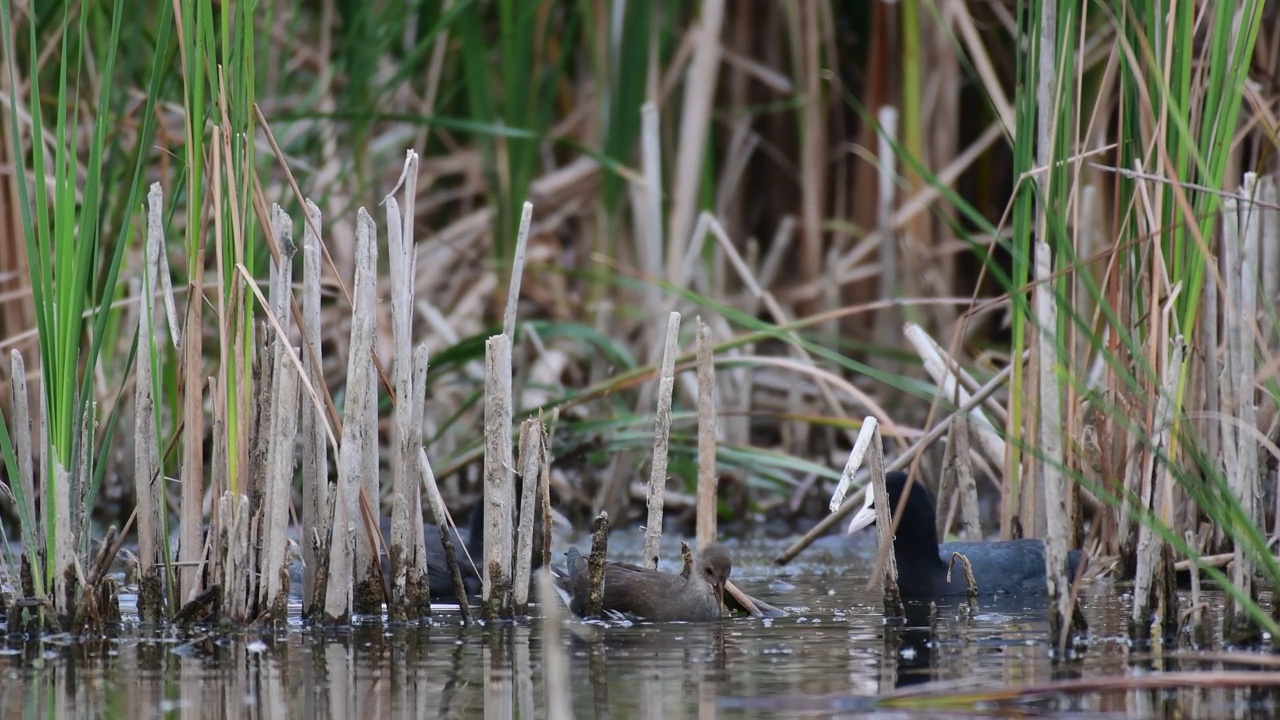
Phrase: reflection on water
(832, 657)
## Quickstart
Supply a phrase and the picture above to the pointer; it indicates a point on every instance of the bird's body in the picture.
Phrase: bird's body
(1010, 567)
(634, 591)
(439, 580)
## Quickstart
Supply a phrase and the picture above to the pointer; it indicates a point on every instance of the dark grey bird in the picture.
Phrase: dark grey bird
(1008, 567)
(637, 592)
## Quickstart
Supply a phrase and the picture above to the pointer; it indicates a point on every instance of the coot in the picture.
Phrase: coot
(438, 578)
(638, 592)
(1009, 567)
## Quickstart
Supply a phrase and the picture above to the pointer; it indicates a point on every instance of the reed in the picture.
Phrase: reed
(679, 157)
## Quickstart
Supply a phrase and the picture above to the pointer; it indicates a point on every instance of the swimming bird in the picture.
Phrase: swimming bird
(638, 592)
(1008, 567)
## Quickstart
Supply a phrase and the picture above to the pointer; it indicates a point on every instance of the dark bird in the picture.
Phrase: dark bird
(438, 578)
(469, 542)
(1008, 567)
(637, 592)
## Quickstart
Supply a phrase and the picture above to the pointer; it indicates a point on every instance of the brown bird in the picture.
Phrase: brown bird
(637, 592)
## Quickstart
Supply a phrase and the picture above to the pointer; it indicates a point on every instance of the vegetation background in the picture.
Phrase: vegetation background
(809, 177)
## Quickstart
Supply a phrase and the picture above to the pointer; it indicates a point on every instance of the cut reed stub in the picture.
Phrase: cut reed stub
(499, 479)
(596, 563)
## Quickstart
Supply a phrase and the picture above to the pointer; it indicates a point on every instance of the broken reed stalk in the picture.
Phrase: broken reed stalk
(1155, 597)
(419, 567)
(555, 667)
(595, 564)
(353, 566)
(532, 438)
(686, 559)
(708, 482)
(517, 272)
(661, 438)
(146, 453)
(856, 455)
(237, 568)
(499, 481)
(884, 522)
(410, 594)
(317, 499)
(278, 495)
(370, 587)
(1054, 512)
(1240, 239)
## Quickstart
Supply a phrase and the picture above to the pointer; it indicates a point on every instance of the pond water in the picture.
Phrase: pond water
(833, 656)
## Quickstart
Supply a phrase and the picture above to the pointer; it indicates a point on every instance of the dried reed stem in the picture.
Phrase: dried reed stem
(649, 218)
(517, 272)
(1155, 599)
(1241, 230)
(946, 372)
(32, 527)
(884, 522)
(499, 480)
(595, 564)
(962, 474)
(661, 437)
(190, 546)
(147, 479)
(351, 555)
(1052, 512)
(317, 500)
(888, 319)
(544, 490)
(708, 481)
(410, 594)
(856, 454)
(699, 93)
(532, 438)
(283, 428)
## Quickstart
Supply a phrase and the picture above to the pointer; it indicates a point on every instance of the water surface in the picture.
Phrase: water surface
(834, 656)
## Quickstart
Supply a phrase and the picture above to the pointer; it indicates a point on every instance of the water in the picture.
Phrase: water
(832, 657)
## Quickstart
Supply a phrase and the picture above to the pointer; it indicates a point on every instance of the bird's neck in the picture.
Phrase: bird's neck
(921, 544)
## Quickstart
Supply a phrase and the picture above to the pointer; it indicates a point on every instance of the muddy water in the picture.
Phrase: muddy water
(833, 656)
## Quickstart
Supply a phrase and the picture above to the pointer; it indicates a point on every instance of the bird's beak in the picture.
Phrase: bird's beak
(718, 588)
(865, 517)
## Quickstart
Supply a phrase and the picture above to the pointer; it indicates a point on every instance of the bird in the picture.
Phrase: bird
(1007, 567)
(632, 591)
(439, 580)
